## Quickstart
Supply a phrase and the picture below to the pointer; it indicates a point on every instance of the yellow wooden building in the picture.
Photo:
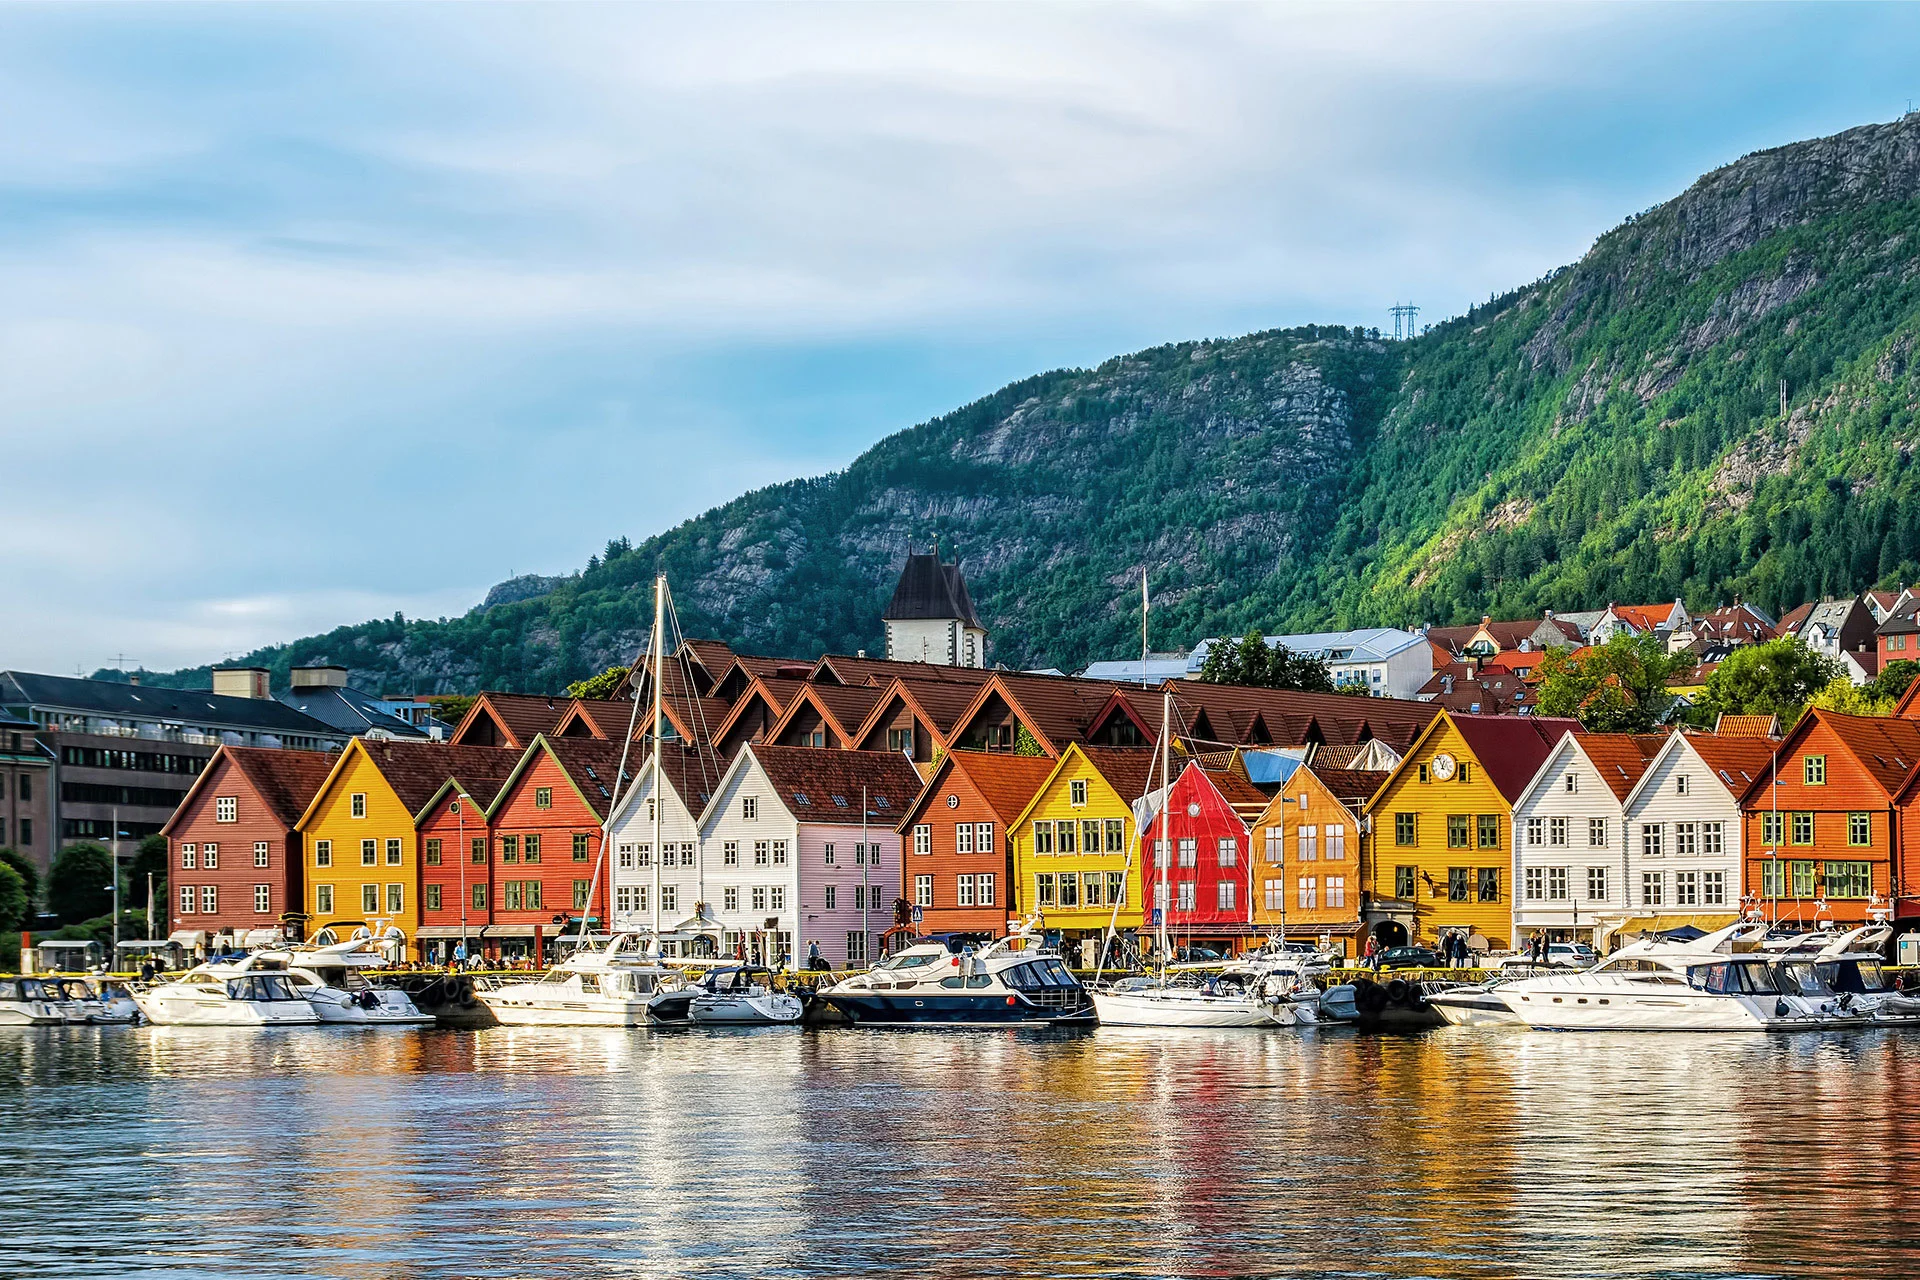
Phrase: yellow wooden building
(359, 834)
(1071, 842)
(1441, 843)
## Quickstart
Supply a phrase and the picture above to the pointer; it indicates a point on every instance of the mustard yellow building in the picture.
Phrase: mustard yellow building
(1441, 843)
(359, 832)
(1309, 857)
(1071, 842)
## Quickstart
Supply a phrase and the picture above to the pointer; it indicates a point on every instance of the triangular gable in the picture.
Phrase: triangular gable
(898, 694)
(844, 735)
(354, 746)
(997, 688)
(482, 721)
(1908, 707)
(1073, 755)
(539, 748)
(202, 780)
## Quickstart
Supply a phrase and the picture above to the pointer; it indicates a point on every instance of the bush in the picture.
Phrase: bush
(25, 868)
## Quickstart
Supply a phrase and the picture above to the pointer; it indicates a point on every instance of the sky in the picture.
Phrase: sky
(311, 314)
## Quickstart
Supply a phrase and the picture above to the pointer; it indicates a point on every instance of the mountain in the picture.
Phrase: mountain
(1613, 431)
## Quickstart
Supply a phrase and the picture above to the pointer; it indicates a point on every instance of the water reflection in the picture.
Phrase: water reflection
(519, 1151)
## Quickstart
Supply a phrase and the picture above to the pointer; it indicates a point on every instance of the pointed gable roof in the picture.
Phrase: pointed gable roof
(1738, 763)
(1290, 717)
(929, 589)
(1510, 749)
(285, 780)
(1621, 759)
(824, 786)
(843, 709)
(838, 668)
(499, 719)
(590, 765)
(1057, 710)
(1732, 726)
(1886, 748)
(416, 770)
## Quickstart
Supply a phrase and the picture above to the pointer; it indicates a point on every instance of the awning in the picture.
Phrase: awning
(451, 931)
(1392, 909)
(506, 931)
(187, 937)
(1659, 924)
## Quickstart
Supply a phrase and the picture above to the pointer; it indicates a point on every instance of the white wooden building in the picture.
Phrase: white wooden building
(1569, 826)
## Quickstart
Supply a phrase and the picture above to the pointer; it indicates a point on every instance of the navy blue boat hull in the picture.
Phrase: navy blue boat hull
(874, 1009)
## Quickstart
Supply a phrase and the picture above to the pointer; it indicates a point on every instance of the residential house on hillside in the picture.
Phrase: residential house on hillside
(1310, 851)
(1571, 835)
(958, 859)
(1899, 632)
(1474, 690)
(1639, 620)
(234, 848)
(1443, 838)
(1721, 631)
(1684, 836)
(1382, 660)
(1835, 628)
(1487, 637)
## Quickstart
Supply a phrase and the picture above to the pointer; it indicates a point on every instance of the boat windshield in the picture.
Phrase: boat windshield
(1733, 979)
(261, 986)
(1038, 974)
(908, 960)
(1804, 978)
(1858, 976)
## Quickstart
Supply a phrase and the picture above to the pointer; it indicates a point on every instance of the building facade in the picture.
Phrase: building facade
(931, 617)
(1572, 868)
(1309, 852)
(1195, 857)
(1075, 845)
(958, 859)
(26, 790)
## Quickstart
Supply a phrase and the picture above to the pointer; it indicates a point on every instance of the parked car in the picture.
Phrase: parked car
(1560, 955)
(1411, 958)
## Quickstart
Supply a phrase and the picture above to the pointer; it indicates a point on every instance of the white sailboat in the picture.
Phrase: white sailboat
(1190, 1000)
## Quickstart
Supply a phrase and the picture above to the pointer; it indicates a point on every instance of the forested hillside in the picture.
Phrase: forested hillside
(1611, 432)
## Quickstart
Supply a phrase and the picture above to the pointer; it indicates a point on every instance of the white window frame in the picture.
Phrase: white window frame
(226, 808)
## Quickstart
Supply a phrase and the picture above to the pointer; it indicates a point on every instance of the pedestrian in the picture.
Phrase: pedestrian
(146, 971)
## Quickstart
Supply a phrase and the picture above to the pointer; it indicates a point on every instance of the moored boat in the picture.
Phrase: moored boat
(328, 976)
(225, 996)
(1480, 1004)
(611, 986)
(1012, 980)
(1153, 1002)
(743, 996)
(24, 1003)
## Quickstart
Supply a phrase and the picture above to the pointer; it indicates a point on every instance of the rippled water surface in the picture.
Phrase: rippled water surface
(522, 1152)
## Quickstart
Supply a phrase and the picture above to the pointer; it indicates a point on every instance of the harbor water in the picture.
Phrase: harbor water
(546, 1152)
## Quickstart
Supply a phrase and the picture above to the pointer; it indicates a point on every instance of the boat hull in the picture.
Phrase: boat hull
(879, 1009)
(14, 1014)
(1667, 1010)
(1146, 1009)
(768, 1010)
(164, 1012)
(1465, 1007)
(528, 1012)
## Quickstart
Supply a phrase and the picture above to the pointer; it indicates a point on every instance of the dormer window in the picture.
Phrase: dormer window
(1077, 792)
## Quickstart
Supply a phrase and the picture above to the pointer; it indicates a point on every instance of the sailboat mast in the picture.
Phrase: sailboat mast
(659, 643)
(1164, 853)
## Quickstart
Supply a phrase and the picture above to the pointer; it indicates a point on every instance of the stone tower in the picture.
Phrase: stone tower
(931, 617)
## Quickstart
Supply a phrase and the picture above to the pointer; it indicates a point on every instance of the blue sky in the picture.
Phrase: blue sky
(311, 314)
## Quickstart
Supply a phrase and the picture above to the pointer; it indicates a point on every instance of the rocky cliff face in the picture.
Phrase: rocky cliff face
(1610, 432)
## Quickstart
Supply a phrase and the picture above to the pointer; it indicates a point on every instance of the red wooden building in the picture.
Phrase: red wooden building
(1828, 840)
(456, 857)
(957, 832)
(546, 830)
(1205, 852)
(233, 854)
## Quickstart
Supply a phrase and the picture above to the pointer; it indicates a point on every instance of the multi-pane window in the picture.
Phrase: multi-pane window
(1336, 842)
(357, 804)
(762, 853)
(1042, 837)
(857, 944)
(1814, 771)
(531, 845)
(323, 853)
(209, 856)
(1116, 835)
(1308, 839)
(1571, 783)
(730, 898)
(1308, 892)
(1189, 851)
(190, 856)
(262, 898)
(1336, 891)
(1557, 884)
(1090, 886)
(1849, 879)
(639, 897)
(963, 837)
(1077, 792)
(669, 896)
(1556, 831)
(1225, 894)
(1859, 829)
(1489, 830)
(478, 851)
(1803, 828)
(1536, 831)
(396, 899)
(759, 897)
(1090, 835)
(1686, 839)
(642, 853)
(983, 837)
(750, 808)
(1065, 839)
(369, 853)
(226, 809)
(826, 854)
(1597, 884)
(1459, 831)
(922, 891)
(370, 898)
(730, 853)
(1534, 884)
(1680, 784)
(1652, 839)
(983, 887)
(1043, 894)
(1652, 883)
(1404, 882)
(1773, 879)
(1459, 884)
(187, 900)
(1686, 888)
(1597, 832)
(1273, 894)
(543, 797)
(1771, 825)
(582, 842)
(1489, 887)
(1229, 851)
(431, 896)
(779, 854)
(322, 899)
(431, 852)
(1406, 829)
(1185, 902)
(1069, 889)
(1713, 888)
(580, 890)
(963, 891)
(1713, 840)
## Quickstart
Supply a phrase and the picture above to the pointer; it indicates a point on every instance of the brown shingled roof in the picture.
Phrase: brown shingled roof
(1056, 709)
(415, 770)
(841, 669)
(1732, 726)
(1621, 758)
(1291, 716)
(827, 778)
(1510, 749)
(1351, 786)
(519, 717)
(1005, 781)
(287, 780)
(1740, 762)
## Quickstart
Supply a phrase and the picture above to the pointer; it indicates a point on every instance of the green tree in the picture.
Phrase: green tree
(24, 867)
(1893, 680)
(603, 685)
(1251, 661)
(1776, 678)
(150, 860)
(14, 902)
(1617, 687)
(1848, 698)
(78, 886)
(1024, 743)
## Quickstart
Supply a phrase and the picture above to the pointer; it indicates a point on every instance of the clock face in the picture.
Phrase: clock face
(1193, 810)
(1443, 766)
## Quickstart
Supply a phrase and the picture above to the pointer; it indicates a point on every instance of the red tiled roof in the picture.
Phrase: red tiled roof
(1645, 617)
(1005, 781)
(1887, 747)
(882, 671)
(1351, 784)
(1510, 749)
(1289, 715)
(521, 717)
(1739, 762)
(1796, 617)
(1621, 758)
(286, 780)
(1729, 726)
(820, 776)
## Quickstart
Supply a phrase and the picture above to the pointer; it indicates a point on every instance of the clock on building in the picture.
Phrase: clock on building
(1443, 766)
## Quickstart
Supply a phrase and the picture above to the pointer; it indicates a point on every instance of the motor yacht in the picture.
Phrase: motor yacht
(329, 977)
(1716, 982)
(226, 995)
(109, 1002)
(611, 986)
(24, 1003)
(1480, 1004)
(74, 998)
(1014, 979)
(743, 996)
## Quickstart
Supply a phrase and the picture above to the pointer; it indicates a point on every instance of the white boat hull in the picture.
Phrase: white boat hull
(337, 1008)
(533, 1011)
(1668, 1009)
(190, 1012)
(15, 1013)
(755, 1010)
(1471, 1007)
(1187, 1009)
